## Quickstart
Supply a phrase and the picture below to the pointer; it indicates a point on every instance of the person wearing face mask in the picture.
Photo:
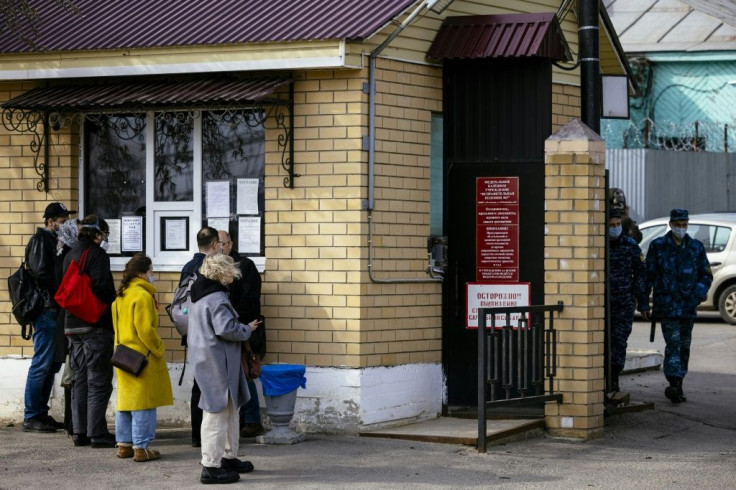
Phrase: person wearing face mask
(42, 261)
(627, 288)
(679, 275)
(135, 318)
(91, 345)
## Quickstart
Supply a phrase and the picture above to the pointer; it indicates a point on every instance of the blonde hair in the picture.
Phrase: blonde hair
(218, 266)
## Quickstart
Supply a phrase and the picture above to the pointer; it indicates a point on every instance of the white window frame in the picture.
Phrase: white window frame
(163, 261)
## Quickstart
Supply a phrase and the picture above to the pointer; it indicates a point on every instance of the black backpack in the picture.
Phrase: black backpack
(26, 298)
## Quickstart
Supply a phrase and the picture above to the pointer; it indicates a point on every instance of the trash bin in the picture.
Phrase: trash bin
(280, 383)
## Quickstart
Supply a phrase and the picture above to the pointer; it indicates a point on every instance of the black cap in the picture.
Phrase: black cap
(57, 210)
(614, 213)
(679, 215)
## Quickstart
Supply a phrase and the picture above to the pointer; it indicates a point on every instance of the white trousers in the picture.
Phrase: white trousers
(220, 435)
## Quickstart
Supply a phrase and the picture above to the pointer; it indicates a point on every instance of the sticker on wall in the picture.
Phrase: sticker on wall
(502, 295)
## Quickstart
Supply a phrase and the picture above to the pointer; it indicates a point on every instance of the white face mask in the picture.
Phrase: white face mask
(104, 245)
(151, 278)
(679, 233)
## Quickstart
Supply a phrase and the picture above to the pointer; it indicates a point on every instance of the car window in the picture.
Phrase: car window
(714, 238)
(650, 233)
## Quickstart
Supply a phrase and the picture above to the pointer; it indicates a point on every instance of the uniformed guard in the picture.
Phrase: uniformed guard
(679, 273)
(627, 286)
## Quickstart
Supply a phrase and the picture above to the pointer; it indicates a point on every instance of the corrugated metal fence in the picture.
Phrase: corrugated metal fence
(656, 181)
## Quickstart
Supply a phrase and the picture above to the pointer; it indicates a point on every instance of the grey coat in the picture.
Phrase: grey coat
(214, 339)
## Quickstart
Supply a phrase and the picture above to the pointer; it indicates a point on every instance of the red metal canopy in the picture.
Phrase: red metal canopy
(209, 91)
(500, 36)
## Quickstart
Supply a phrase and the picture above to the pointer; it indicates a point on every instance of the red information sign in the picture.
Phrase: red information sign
(497, 229)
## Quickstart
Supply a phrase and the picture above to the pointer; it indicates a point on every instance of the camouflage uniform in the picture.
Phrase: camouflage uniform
(627, 283)
(680, 277)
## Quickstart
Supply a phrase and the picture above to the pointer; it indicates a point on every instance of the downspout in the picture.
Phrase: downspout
(588, 57)
(372, 146)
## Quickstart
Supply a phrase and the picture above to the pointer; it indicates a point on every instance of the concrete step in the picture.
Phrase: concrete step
(450, 430)
(642, 359)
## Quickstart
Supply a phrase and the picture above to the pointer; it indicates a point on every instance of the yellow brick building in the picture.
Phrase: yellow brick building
(345, 288)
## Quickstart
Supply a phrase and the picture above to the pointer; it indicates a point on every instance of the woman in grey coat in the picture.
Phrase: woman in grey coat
(214, 340)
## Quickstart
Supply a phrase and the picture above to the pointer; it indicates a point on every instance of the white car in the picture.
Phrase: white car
(717, 232)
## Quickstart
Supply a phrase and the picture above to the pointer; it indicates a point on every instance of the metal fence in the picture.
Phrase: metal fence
(656, 181)
(517, 363)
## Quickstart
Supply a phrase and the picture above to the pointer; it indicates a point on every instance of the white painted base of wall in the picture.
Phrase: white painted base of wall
(337, 400)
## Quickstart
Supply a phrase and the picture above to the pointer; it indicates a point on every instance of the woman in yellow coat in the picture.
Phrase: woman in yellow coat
(135, 318)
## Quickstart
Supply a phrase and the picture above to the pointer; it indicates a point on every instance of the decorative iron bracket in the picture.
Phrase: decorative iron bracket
(28, 121)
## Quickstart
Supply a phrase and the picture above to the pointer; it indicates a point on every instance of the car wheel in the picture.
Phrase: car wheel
(727, 305)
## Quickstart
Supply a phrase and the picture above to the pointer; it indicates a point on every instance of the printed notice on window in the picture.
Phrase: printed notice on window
(132, 234)
(247, 196)
(219, 224)
(175, 233)
(218, 198)
(249, 235)
(114, 239)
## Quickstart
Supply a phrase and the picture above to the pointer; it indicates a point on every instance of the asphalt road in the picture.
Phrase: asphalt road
(690, 445)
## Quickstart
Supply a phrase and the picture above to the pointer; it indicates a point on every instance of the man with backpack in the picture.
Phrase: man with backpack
(41, 258)
(208, 243)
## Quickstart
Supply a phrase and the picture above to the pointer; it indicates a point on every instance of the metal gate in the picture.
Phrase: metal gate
(517, 363)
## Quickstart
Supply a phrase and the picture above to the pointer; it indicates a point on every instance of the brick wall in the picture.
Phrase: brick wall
(574, 267)
(322, 308)
(565, 105)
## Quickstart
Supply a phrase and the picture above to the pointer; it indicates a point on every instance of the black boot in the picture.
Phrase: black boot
(615, 372)
(683, 398)
(674, 390)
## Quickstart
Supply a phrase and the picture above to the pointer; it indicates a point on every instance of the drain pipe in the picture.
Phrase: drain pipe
(369, 205)
(590, 63)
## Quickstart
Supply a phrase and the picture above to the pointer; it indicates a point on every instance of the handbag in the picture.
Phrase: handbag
(251, 362)
(75, 293)
(127, 359)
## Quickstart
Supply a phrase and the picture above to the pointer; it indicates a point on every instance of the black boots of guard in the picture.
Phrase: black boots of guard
(674, 390)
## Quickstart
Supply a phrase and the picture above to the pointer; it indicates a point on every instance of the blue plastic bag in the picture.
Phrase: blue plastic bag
(279, 379)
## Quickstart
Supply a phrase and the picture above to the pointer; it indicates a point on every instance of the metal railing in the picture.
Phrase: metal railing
(516, 363)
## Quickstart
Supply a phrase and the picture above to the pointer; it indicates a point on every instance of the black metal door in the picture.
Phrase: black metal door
(497, 115)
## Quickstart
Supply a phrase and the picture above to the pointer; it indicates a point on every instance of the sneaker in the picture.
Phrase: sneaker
(142, 455)
(106, 440)
(52, 422)
(218, 475)
(251, 430)
(37, 424)
(80, 440)
(235, 464)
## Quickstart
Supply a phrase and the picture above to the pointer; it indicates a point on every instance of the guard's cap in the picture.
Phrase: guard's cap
(679, 215)
(57, 210)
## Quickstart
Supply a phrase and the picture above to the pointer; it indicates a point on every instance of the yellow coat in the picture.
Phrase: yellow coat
(135, 319)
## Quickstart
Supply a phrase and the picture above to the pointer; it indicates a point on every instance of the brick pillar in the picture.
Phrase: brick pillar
(574, 261)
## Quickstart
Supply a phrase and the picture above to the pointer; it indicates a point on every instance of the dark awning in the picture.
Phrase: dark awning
(142, 95)
(500, 36)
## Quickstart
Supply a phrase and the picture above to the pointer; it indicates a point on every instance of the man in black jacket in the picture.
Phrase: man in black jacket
(41, 258)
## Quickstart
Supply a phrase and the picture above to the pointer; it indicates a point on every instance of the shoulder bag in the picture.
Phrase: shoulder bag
(251, 362)
(125, 358)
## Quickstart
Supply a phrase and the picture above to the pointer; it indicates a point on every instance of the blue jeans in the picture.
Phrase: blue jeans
(250, 413)
(43, 368)
(137, 427)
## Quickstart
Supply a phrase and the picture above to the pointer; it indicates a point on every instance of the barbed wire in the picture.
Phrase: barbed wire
(709, 136)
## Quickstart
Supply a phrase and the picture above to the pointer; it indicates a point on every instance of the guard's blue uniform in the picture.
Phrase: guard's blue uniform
(627, 283)
(680, 277)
